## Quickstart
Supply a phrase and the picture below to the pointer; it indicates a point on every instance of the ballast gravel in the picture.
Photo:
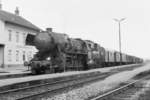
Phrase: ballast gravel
(99, 87)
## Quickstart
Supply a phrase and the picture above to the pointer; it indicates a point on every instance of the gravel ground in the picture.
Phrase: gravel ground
(143, 94)
(98, 87)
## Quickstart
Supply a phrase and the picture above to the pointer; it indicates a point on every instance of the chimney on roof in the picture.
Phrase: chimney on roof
(49, 29)
(0, 5)
(17, 11)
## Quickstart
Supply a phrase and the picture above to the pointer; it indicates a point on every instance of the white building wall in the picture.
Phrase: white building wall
(17, 47)
(2, 33)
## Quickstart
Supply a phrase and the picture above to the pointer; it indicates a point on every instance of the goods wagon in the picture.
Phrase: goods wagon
(117, 57)
(111, 57)
(124, 58)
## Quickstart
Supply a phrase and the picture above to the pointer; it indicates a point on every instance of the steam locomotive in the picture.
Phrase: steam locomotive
(58, 52)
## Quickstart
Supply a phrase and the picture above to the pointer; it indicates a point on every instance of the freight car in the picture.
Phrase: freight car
(117, 57)
(57, 52)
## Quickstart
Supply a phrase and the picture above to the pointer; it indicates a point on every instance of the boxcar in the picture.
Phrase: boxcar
(117, 57)
(124, 59)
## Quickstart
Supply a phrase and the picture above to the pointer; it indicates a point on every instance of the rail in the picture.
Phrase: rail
(118, 90)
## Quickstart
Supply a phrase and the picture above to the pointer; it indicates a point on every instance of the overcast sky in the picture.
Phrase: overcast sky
(93, 20)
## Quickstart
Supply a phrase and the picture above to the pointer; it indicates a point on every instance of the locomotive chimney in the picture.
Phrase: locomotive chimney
(49, 29)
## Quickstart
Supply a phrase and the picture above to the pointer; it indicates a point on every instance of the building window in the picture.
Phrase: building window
(17, 37)
(17, 55)
(24, 56)
(29, 55)
(9, 35)
(9, 55)
(24, 38)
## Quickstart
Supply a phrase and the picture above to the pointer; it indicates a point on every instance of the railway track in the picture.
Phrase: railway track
(37, 91)
(125, 92)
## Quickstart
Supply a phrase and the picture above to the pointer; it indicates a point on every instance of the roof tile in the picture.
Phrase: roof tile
(15, 19)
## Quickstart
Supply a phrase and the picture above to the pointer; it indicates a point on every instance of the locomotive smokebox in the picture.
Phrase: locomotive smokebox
(44, 42)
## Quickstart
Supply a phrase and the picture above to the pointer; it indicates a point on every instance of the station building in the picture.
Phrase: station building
(13, 32)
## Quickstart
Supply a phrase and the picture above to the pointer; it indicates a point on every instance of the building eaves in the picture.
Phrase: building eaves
(18, 20)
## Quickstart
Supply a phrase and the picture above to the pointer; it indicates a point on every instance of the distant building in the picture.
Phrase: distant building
(13, 32)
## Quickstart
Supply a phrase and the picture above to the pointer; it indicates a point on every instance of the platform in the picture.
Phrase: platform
(55, 76)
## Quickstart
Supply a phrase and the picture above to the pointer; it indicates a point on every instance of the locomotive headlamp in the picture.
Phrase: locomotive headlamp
(48, 58)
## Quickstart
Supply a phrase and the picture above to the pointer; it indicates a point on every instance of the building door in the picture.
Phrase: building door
(24, 56)
(1, 55)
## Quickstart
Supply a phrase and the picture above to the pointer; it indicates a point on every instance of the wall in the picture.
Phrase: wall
(19, 51)
(1, 55)
(3, 36)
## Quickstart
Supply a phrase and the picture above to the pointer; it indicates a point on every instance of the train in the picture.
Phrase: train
(57, 52)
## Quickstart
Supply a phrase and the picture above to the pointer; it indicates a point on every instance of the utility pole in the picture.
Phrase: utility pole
(119, 21)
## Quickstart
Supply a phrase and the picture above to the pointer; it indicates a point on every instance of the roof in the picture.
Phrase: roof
(18, 20)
